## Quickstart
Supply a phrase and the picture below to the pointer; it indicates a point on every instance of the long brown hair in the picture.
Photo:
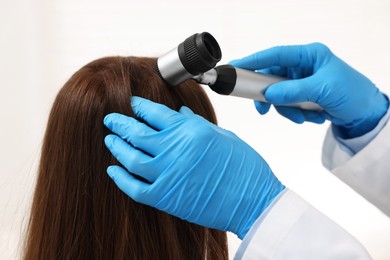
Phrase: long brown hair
(77, 211)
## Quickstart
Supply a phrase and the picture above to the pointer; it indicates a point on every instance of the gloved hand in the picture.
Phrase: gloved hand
(349, 99)
(191, 168)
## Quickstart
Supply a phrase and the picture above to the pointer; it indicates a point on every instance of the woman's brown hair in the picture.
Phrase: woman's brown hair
(77, 211)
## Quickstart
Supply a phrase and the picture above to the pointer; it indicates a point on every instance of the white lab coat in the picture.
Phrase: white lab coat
(293, 229)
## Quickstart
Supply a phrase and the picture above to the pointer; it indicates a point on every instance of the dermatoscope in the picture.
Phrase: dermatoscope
(196, 57)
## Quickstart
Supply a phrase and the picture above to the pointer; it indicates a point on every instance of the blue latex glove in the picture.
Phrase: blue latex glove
(191, 168)
(350, 100)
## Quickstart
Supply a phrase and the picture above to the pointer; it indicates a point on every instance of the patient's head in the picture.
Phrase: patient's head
(77, 211)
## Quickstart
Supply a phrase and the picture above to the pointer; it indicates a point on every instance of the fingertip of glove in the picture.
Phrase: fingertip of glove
(234, 62)
(108, 119)
(185, 111)
(262, 107)
(108, 140)
(136, 100)
(111, 171)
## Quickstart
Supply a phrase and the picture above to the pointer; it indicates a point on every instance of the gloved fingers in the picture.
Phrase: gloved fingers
(299, 116)
(129, 184)
(285, 56)
(130, 129)
(134, 160)
(186, 111)
(294, 91)
(262, 107)
(154, 114)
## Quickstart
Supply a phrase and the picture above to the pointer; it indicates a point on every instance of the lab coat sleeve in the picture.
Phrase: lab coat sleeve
(293, 229)
(368, 171)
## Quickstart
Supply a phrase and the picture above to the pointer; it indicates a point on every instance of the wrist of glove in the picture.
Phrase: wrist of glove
(192, 168)
(376, 110)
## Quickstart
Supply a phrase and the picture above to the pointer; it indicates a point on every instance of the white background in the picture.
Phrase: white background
(44, 42)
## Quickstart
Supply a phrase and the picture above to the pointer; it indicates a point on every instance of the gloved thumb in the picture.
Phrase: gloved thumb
(186, 111)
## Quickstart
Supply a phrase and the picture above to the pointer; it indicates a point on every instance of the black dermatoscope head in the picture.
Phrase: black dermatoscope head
(197, 54)
(196, 57)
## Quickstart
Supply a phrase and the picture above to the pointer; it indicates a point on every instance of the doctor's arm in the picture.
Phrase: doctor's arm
(199, 172)
(357, 144)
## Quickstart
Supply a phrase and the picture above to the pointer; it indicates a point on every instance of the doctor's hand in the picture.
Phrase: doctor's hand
(180, 163)
(349, 99)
